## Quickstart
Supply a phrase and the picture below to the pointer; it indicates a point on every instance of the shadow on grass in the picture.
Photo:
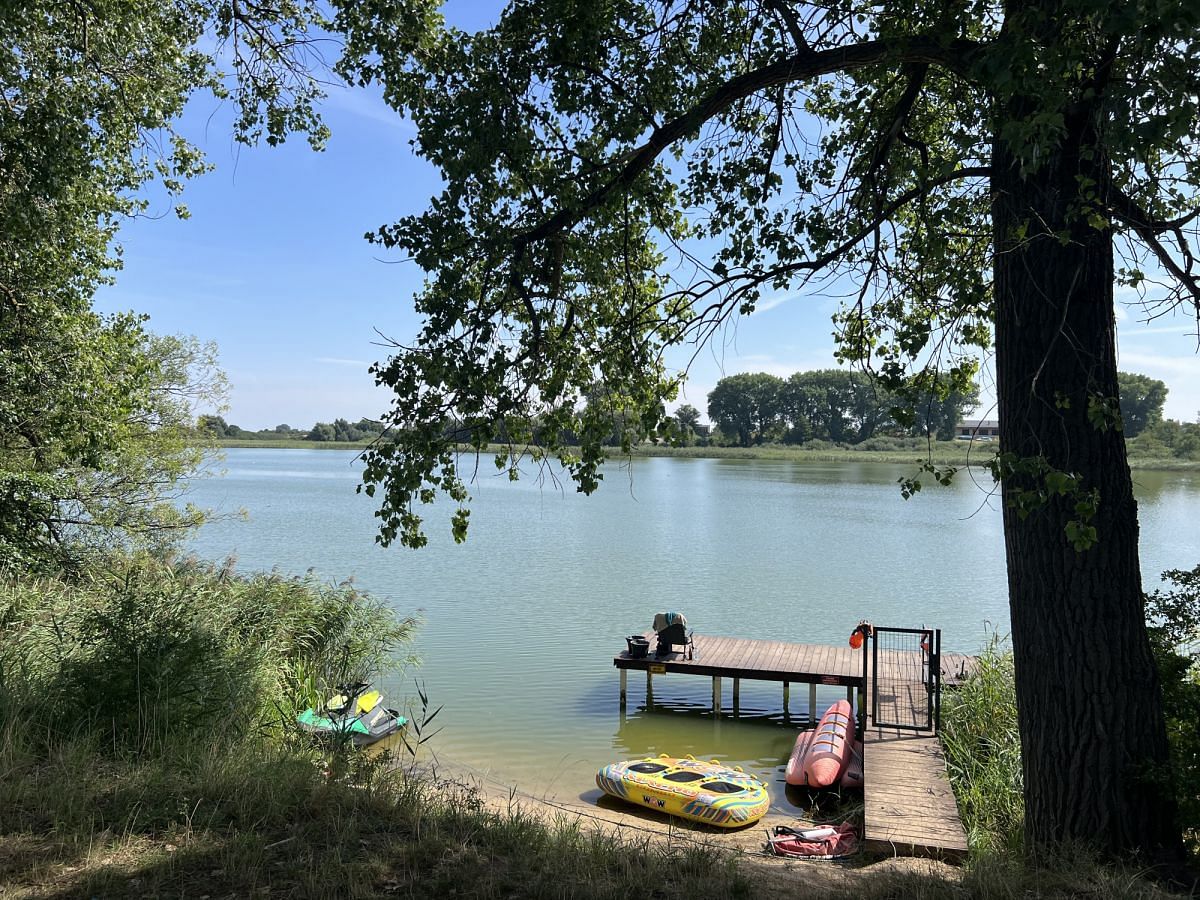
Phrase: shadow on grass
(261, 827)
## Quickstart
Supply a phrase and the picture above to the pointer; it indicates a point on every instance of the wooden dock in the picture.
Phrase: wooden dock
(720, 657)
(745, 658)
(910, 808)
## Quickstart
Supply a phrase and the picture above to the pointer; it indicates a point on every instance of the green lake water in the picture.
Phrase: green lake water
(522, 621)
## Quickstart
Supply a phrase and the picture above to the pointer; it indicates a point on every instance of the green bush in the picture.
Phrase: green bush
(1167, 439)
(138, 650)
(894, 443)
(1174, 622)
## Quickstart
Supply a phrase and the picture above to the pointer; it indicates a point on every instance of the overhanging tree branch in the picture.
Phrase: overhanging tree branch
(1127, 210)
(955, 56)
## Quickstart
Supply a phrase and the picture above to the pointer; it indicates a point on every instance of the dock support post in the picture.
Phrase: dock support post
(716, 694)
(787, 694)
(850, 696)
(624, 682)
(737, 695)
(812, 701)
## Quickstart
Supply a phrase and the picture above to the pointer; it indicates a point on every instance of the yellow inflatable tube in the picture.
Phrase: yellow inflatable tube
(686, 787)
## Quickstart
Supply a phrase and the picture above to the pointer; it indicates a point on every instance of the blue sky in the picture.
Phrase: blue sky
(272, 266)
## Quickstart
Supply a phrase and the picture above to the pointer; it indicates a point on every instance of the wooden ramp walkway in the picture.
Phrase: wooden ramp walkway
(910, 808)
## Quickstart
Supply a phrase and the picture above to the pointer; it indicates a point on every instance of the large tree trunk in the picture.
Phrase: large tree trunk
(1092, 733)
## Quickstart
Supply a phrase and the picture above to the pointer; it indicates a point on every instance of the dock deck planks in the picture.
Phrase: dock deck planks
(726, 657)
(909, 806)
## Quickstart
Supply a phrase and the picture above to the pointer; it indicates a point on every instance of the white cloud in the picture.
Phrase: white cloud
(769, 303)
(337, 361)
(368, 105)
(1134, 331)
(1124, 295)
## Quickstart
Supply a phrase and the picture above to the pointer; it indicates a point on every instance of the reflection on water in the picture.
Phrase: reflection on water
(521, 623)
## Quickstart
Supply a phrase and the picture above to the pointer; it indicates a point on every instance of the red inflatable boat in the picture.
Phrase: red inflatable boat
(821, 757)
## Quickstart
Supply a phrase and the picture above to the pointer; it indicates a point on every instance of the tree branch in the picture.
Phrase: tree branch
(955, 56)
(731, 288)
(793, 25)
(886, 212)
(1127, 210)
(900, 115)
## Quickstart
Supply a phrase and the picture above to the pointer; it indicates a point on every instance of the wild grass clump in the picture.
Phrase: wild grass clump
(139, 651)
(262, 819)
(983, 752)
(144, 751)
(983, 758)
(1173, 619)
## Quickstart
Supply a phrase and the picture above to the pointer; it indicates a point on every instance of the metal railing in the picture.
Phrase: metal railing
(905, 678)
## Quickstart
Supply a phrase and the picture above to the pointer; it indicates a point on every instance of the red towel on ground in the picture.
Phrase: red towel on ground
(815, 842)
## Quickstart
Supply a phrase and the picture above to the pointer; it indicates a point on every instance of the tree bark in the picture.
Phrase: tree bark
(1093, 737)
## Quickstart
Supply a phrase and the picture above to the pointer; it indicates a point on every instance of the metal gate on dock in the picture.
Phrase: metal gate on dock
(906, 678)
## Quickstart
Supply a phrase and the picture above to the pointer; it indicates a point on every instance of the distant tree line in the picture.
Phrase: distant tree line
(1149, 435)
(337, 430)
(836, 405)
(848, 407)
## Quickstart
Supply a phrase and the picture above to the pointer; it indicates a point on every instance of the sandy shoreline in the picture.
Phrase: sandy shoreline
(774, 876)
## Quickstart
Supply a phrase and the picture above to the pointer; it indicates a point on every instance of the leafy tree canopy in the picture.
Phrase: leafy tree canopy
(92, 406)
(687, 417)
(833, 405)
(98, 444)
(625, 177)
(748, 406)
(570, 138)
(1142, 399)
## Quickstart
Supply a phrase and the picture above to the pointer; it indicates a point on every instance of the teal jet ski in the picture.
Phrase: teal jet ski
(355, 711)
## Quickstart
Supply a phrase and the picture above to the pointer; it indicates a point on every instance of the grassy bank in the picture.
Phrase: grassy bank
(264, 820)
(230, 443)
(146, 749)
(941, 454)
(909, 453)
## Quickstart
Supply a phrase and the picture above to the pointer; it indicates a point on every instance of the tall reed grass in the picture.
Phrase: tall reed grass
(145, 750)
(983, 752)
(138, 651)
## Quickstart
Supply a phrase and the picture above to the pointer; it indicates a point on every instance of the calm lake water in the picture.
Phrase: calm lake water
(522, 621)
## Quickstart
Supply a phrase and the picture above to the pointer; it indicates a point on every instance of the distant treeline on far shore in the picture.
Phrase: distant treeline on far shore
(323, 432)
(822, 410)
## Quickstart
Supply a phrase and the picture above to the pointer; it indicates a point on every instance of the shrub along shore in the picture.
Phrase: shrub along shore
(147, 749)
